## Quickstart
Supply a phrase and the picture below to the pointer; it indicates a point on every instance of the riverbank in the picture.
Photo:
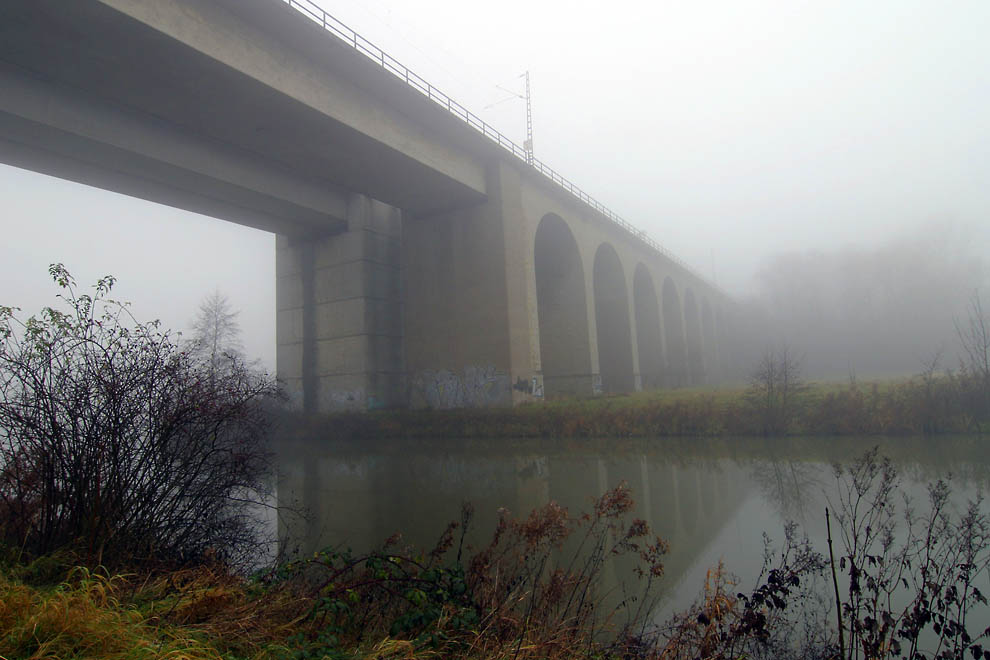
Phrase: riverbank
(916, 406)
(523, 596)
(497, 601)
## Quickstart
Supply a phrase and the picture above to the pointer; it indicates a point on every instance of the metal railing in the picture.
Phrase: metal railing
(318, 15)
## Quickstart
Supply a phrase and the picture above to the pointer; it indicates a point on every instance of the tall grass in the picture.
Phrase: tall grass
(923, 405)
(85, 617)
(534, 590)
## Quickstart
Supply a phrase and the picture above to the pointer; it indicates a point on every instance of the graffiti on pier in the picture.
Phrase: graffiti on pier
(533, 386)
(477, 387)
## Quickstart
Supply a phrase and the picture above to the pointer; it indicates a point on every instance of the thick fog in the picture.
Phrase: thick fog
(886, 309)
(825, 162)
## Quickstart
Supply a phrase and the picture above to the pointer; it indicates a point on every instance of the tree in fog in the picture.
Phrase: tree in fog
(216, 332)
(974, 335)
(773, 387)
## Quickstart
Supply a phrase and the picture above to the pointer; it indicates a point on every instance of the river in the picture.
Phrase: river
(711, 499)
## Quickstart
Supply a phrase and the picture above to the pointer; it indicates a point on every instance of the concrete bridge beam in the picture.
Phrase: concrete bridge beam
(676, 348)
(593, 344)
(637, 375)
(649, 329)
(693, 335)
(59, 131)
(665, 377)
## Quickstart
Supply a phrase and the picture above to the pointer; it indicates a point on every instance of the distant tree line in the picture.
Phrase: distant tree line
(879, 312)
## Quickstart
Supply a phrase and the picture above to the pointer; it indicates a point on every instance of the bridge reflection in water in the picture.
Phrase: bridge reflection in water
(710, 499)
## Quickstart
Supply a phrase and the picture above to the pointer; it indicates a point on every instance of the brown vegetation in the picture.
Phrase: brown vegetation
(525, 594)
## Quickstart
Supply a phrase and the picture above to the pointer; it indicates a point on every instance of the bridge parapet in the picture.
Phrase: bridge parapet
(339, 29)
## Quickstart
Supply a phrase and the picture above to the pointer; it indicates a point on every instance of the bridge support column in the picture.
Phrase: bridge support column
(469, 313)
(339, 313)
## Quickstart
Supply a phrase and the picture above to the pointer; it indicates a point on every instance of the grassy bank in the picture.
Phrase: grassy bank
(534, 590)
(525, 595)
(944, 404)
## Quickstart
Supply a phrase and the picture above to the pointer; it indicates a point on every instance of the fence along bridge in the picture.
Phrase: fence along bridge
(423, 258)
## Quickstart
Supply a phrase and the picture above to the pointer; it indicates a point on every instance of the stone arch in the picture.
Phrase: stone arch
(692, 328)
(562, 309)
(649, 341)
(615, 363)
(708, 332)
(673, 328)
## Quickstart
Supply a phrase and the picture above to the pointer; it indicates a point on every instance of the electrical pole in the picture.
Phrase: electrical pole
(528, 144)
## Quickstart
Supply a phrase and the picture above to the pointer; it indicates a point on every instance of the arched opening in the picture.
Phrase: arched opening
(565, 351)
(692, 327)
(708, 330)
(673, 329)
(612, 320)
(648, 338)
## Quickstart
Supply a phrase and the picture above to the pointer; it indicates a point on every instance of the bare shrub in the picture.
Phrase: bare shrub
(974, 335)
(782, 617)
(117, 444)
(774, 387)
(535, 590)
(906, 583)
(912, 576)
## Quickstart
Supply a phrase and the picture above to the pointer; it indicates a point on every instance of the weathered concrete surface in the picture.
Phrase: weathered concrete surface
(458, 325)
(339, 313)
(473, 308)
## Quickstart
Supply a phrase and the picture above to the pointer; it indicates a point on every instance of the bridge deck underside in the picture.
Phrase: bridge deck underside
(294, 163)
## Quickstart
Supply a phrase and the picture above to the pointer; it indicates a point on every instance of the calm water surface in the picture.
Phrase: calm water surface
(711, 499)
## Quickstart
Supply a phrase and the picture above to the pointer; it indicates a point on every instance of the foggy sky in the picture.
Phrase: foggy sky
(731, 132)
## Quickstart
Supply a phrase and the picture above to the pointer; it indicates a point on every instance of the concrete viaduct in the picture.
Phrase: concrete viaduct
(422, 258)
